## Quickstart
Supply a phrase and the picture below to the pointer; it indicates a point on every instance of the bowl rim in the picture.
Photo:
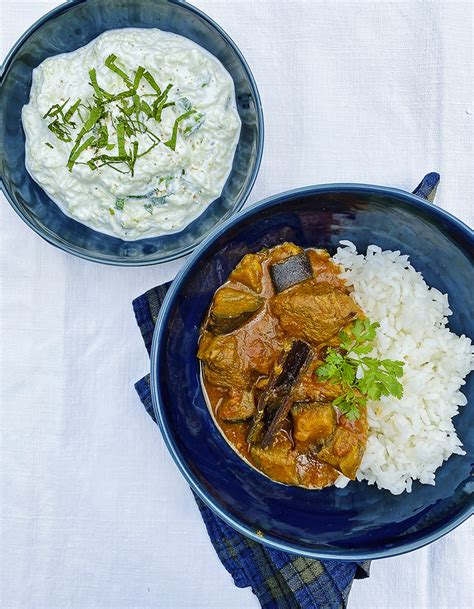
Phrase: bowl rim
(157, 397)
(179, 253)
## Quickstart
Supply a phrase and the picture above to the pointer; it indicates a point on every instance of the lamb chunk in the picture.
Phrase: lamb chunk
(260, 343)
(284, 250)
(277, 461)
(313, 422)
(223, 365)
(314, 312)
(313, 389)
(249, 272)
(239, 406)
(231, 308)
(313, 473)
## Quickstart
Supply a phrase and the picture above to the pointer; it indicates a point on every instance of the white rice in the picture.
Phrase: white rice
(411, 437)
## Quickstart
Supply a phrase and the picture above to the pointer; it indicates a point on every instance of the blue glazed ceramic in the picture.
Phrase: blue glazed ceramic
(71, 26)
(358, 521)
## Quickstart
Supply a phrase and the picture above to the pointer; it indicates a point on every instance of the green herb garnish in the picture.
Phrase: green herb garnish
(361, 377)
(62, 123)
(119, 203)
(110, 63)
(127, 113)
(171, 143)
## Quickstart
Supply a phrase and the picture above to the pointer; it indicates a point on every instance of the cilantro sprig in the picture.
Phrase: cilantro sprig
(360, 377)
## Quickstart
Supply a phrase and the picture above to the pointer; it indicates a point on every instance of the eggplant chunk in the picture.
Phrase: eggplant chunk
(291, 271)
(249, 272)
(313, 422)
(231, 309)
(275, 402)
(344, 452)
(238, 407)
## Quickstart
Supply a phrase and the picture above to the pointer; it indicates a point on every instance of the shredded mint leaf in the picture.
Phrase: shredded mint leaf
(171, 143)
(114, 124)
(151, 81)
(138, 76)
(77, 151)
(70, 113)
(110, 63)
(100, 93)
(121, 139)
(62, 123)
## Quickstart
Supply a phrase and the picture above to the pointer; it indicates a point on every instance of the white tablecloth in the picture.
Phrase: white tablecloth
(93, 512)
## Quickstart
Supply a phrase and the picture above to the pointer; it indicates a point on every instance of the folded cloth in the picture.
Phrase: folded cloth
(278, 579)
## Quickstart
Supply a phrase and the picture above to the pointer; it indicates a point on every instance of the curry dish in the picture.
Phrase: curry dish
(263, 339)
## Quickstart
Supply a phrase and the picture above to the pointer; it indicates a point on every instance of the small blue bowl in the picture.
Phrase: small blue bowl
(358, 521)
(70, 26)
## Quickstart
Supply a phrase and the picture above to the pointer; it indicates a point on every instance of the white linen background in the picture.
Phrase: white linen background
(94, 515)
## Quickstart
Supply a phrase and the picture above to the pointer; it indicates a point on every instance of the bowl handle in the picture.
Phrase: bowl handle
(426, 189)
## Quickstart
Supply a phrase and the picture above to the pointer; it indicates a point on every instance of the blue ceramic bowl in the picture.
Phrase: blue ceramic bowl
(71, 26)
(358, 521)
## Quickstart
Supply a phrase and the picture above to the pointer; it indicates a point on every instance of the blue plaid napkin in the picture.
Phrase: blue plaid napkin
(279, 580)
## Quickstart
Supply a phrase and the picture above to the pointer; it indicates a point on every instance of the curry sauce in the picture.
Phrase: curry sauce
(261, 343)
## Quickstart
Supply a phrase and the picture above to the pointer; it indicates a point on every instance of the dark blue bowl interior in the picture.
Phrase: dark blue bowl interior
(358, 521)
(72, 26)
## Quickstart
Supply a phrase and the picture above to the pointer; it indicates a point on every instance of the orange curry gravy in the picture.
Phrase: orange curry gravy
(314, 442)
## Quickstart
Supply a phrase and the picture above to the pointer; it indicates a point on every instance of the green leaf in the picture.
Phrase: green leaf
(121, 139)
(119, 203)
(171, 143)
(77, 151)
(93, 118)
(122, 95)
(110, 63)
(151, 81)
(100, 93)
(60, 131)
(138, 76)
(70, 113)
(101, 120)
(161, 103)
(146, 108)
(377, 377)
(160, 108)
(103, 139)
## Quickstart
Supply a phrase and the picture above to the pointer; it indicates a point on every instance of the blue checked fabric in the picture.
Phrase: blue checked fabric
(279, 580)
